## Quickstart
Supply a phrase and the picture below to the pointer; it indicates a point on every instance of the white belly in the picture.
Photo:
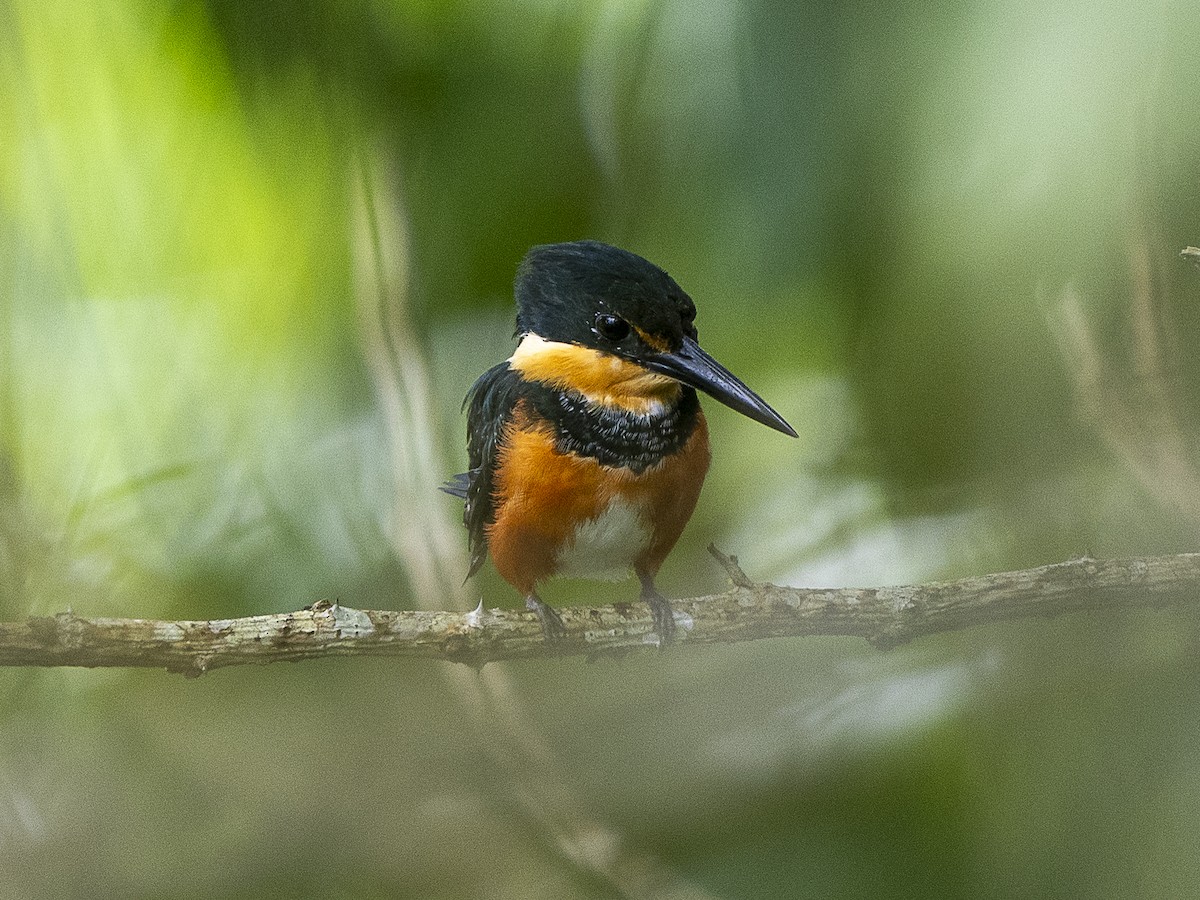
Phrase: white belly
(606, 546)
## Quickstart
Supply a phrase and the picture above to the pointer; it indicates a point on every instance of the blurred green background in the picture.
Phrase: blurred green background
(253, 254)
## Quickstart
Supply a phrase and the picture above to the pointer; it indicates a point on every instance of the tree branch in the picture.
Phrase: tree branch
(885, 616)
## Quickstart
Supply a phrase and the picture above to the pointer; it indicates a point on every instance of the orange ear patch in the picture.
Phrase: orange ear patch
(602, 378)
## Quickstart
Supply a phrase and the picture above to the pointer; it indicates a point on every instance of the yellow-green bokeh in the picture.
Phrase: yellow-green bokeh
(882, 211)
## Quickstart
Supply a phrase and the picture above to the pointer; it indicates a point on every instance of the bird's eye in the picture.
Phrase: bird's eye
(614, 328)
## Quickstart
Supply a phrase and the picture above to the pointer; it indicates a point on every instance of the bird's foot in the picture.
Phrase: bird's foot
(660, 609)
(552, 624)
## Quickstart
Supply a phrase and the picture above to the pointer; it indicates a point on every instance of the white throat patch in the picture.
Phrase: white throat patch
(534, 344)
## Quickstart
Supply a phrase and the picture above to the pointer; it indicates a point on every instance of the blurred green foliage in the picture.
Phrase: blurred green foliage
(887, 213)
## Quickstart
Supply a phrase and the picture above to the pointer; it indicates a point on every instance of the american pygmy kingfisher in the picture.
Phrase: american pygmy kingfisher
(587, 446)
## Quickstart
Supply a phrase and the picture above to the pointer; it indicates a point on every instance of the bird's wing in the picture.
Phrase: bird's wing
(489, 405)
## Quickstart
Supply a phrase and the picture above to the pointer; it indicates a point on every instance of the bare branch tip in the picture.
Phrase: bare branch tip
(729, 563)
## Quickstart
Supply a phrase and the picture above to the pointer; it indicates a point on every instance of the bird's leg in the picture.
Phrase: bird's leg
(660, 608)
(552, 623)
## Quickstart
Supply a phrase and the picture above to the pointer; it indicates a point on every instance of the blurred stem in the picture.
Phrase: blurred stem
(886, 617)
(613, 79)
(1137, 413)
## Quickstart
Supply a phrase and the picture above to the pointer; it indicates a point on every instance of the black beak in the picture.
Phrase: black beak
(692, 366)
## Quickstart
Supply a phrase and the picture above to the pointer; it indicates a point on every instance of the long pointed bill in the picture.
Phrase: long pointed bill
(692, 366)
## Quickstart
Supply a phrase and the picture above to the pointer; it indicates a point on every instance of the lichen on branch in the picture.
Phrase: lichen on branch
(885, 616)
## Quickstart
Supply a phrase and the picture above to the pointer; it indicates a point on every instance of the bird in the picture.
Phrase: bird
(587, 447)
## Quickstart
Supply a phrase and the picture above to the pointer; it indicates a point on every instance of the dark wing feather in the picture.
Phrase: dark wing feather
(489, 405)
(458, 485)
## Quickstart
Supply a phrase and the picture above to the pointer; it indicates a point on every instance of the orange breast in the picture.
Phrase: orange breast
(546, 500)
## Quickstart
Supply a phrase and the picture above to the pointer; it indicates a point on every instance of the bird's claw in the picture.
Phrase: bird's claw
(663, 615)
(553, 628)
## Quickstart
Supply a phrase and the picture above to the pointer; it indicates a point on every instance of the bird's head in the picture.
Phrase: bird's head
(617, 328)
